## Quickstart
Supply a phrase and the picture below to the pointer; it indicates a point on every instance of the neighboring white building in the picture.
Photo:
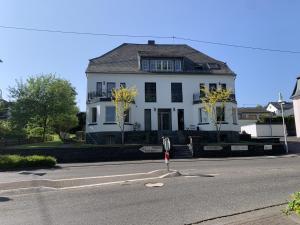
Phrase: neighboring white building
(251, 115)
(276, 108)
(168, 79)
(296, 102)
(263, 130)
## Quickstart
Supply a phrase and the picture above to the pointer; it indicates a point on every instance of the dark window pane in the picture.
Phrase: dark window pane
(126, 120)
(110, 87)
(147, 118)
(94, 115)
(176, 92)
(99, 89)
(110, 114)
(150, 92)
(220, 114)
(212, 87)
(223, 86)
(202, 92)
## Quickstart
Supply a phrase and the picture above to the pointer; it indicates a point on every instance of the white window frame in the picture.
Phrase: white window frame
(202, 116)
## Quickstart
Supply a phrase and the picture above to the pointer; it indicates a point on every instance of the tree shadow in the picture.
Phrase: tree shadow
(5, 199)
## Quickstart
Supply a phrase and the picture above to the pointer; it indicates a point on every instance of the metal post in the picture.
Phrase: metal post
(284, 130)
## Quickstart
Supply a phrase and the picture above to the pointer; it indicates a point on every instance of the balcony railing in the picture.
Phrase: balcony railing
(197, 98)
(96, 96)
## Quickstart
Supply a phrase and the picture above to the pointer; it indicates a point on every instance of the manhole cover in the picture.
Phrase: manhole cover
(154, 184)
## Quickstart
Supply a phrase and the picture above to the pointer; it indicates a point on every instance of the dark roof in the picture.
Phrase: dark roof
(252, 110)
(296, 92)
(125, 59)
(286, 105)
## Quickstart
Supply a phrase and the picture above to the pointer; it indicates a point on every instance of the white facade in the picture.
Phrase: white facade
(190, 86)
(263, 130)
(296, 102)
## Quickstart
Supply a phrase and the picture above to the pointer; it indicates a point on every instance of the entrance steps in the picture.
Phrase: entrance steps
(181, 152)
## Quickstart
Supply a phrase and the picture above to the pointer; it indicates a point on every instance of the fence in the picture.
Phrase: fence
(20, 141)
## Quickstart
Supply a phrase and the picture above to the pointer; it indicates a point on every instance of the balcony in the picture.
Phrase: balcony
(197, 98)
(95, 96)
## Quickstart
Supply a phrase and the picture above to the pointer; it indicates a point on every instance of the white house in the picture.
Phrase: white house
(296, 102)
(275, 108)
(168, 78)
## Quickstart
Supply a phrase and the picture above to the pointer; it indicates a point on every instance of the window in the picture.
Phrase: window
(170, 65)
(212, 87)
(152, 65)
(94, 115)
(158, 65)
(203, 117)
(213, 66)
(202, 92)
(165, 65)
(150, 92)
(223, 86)
(123, 85)
(147, 119)
(145, 65)
(176, 92)
(220, 114)
(178, 65)
(127, 113)
(234, 118)
(110, 114)
(99, 89)
(110, 87)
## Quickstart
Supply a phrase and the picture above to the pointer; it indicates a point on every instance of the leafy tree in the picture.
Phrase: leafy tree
(41, 100)
(213, 99)
(123, 98)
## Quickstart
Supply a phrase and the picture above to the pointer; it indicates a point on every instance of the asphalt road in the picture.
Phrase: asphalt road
(210, 188)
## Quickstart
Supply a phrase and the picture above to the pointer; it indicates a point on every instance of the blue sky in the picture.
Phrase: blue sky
(260, 75)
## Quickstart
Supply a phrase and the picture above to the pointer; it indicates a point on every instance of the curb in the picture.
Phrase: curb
(236, 214)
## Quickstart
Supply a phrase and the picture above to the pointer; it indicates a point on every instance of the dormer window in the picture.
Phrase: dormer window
(178, 66)
(145, 65)
(213, 66)
(161, 65)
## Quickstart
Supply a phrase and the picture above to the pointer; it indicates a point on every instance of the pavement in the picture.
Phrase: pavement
(249, 190)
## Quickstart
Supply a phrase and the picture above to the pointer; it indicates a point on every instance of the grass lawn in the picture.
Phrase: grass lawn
(11, 162)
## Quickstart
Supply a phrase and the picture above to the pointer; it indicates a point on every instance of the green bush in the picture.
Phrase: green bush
(294, 204)
(17, 161)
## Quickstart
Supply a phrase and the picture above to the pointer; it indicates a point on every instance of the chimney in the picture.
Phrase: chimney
(151, 42)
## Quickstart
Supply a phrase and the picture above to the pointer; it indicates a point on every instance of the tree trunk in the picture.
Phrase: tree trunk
(44, 129)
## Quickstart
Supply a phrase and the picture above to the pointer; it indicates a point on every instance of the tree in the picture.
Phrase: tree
(41, 101)
(214, 102)
(123, 98)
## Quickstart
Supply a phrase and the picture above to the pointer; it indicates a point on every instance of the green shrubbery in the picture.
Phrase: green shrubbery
(294, 204)
(16, 161)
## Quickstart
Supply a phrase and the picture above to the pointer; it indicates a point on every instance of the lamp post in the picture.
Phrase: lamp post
(281, 102)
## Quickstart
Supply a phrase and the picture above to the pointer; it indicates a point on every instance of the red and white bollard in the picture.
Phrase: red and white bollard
(167, 159)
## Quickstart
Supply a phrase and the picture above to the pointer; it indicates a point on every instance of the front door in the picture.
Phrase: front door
(164, 119)
(180, 117)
